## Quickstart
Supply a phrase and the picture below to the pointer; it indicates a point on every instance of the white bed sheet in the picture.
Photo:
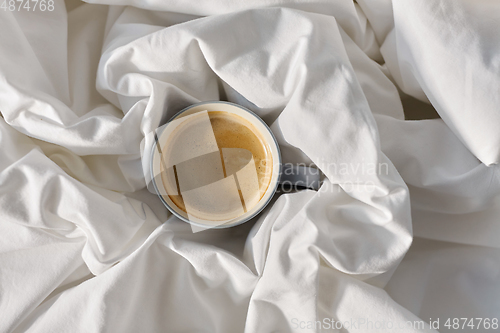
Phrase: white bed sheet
(84, 247)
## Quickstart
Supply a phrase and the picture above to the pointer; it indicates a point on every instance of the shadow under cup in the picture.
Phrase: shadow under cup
(215, 165)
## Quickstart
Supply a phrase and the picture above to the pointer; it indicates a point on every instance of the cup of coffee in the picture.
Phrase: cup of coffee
(215, 165)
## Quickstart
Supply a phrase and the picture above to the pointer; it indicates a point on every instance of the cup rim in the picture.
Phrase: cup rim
(225, 225)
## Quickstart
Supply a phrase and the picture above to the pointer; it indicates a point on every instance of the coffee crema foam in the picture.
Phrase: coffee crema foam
(219, 165)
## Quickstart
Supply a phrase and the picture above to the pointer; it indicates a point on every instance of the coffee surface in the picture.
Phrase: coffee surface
(226, 181)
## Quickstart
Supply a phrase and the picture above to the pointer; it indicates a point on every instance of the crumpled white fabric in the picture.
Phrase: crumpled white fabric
(86, 248)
